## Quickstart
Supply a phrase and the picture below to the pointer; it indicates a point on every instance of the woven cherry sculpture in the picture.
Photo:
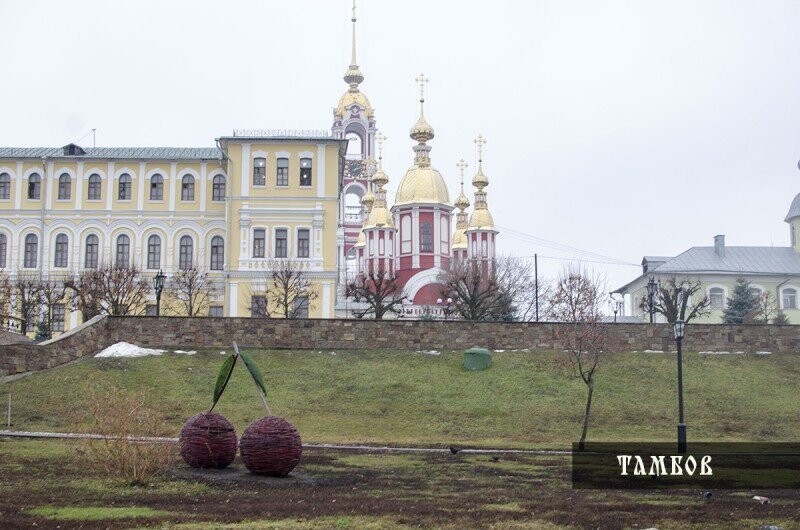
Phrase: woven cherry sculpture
(271, 446)
(208, 440)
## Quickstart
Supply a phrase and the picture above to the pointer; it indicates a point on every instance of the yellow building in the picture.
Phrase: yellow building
(256, 201)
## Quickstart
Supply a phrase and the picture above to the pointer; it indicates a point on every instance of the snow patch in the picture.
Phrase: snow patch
(190, 352)
(429, 352)
(721, 353)
(125, 349)
(500, 351)
(223, 353)
(654, 351)
(763, 353)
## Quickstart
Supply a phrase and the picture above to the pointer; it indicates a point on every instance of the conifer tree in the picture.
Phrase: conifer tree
(741, 305)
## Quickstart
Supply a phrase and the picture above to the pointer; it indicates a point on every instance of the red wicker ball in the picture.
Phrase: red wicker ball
(271, 446)
(208, 440)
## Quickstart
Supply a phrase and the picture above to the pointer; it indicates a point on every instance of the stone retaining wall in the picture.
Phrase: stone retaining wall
(332, 334)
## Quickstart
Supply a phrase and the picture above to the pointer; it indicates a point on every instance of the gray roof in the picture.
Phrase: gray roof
(656, 258)
(119, 153)
(794, 209)
(737, 260)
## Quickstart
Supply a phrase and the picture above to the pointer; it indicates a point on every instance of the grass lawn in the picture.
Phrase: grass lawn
(525, 400)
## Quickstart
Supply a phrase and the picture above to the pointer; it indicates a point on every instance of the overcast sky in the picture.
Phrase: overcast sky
(620, 128)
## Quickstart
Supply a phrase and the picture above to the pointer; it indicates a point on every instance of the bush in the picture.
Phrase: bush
(122, 420)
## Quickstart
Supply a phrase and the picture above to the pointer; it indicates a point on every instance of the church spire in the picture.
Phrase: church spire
(422, 132)
(481, 218)
(353, 75)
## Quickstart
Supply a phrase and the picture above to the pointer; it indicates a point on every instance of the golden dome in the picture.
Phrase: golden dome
(421, 131)
(368, 199)
(353, 97)
(362, 240)
(479, 180)
(379, 217)
(380, 178)
(481, 220)
(462, 203)
(422, 185)
(459, 239)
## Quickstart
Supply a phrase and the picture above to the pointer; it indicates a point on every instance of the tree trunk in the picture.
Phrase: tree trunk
(582, 443)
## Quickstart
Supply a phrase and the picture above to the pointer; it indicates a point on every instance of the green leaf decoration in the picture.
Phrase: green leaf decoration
(223, 377)
(258, 377)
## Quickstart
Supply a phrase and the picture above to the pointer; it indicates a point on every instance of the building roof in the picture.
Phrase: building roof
(794, 209)
(124, 153)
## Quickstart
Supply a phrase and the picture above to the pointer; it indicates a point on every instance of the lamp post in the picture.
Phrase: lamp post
(158, 283)
(679, 328)
(651, 292)
(445, 305)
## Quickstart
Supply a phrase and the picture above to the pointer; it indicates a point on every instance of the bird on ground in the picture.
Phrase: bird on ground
(760, 499)
(454, 450)
(706, 495)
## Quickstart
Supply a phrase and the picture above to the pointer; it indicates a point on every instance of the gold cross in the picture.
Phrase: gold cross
(461, 165)
(421, 79)
(480, 141)
(380, 138)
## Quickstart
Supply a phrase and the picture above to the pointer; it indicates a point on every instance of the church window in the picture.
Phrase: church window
(282, 177)
(5, 186)
(716, 296)
(259, 242)
(381, 246)
(156, 188)
(303, 242)
(124, 187)
(217, 253)
(154, 252)
(305, 172)
(405, 234)
(281, 243)
(31, 251)
(187, 188)
(64, 187)
(93, 192)
(62, 249)
(91, 257)
(426, 237)
(484, 248)
(218, 188)
(259, 171)
(123, 258)
(34, 186)
(789, 298)
(185, 255)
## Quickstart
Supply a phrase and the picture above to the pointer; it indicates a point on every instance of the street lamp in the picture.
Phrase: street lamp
(446, 307)
(158, 283)
(651, 292)
(679, 328)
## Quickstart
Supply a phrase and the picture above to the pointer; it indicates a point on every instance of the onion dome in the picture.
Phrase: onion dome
(367, 201)
(379, 216)
(462, 203)
(421, 131)
(362, 240)
(481, 219)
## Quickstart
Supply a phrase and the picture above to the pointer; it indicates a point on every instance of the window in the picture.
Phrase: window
(156, 188)
(281, 243)
(303, 239)
(218, 188)
(3, 250)
(259, 242)
(756, 292)
(716, 296)
(154, 252)
(5, 186)
(426, 237)
(57, 318)
(186, 251)
(34, 186)
(259, 172)
(94, 188)
(31, 251)
(283, 172)
(150, 310)
(92, 250)
(258, 306)
(64, 187)
(123, 251)
(405, 234)
(62, 251)
(215, 310)
(305, 172)
(217, 253)
(789, 298)
(187, 188)
(124, 187)
(301, 307)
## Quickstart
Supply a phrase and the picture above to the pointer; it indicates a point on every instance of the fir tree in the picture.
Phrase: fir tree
(741, 305)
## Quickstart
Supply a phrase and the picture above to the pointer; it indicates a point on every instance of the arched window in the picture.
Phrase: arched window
(92, 255)
(187, 188)
(31, 251)
(34, 186)
(123, 252)
(789, 298)
(185, 256)
(354, 146)
(156, 188)
(425, 237)
(218, 188)
(94, 188)
(154, 252)
(5, 186)
(3, 250)
(217, 253)
(64, 187)
(124, 187)
(62, 251)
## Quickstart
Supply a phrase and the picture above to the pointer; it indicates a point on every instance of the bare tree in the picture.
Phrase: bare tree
(6, 309)
(577, 301)
(766, 309)
(288, 292)
(26, 299)
(678, 299)
(190, 292)
(379, 291)
(109, 289)
(51, 292)
(86, 293)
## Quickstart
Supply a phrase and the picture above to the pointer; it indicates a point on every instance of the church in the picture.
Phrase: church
(255, 202)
